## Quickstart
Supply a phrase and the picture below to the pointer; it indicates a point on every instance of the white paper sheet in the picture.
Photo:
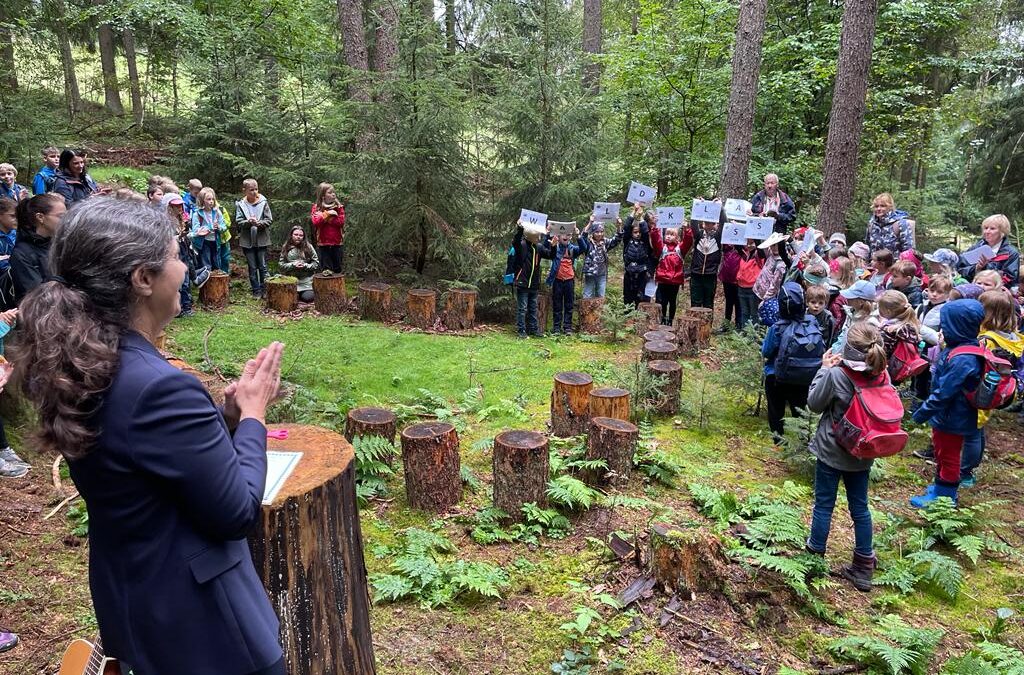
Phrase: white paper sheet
(736, 209)
(606, 212)
(735, 234)
(706, 211)
(759, 228)
(972, 257)
(670, 216)
(279, 466)
(641, 194)
(528, 217)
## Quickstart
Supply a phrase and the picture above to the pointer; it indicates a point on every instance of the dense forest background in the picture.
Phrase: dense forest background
(437, 121)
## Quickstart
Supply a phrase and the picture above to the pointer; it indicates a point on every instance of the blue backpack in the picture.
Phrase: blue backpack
(801, 346)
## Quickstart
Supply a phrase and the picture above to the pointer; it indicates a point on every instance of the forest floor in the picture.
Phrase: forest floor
(557, 596)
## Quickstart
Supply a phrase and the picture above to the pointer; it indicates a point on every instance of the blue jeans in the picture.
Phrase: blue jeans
(256, 257)
(973, 451)
(826, 486)
(224, 265)
(594, 286)
(748, 306)
(208, 255)
(526, 311)
(562, 294)
(185, 292)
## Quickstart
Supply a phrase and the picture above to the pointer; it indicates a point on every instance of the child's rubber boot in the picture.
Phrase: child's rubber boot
(947, 490)
(860, 571)
(922, 501)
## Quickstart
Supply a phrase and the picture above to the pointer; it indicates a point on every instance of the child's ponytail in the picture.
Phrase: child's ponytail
(894, 305)
(865, 338)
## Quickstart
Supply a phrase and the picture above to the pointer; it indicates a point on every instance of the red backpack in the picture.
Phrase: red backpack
(997, 387)
(906, 361)
(870, 428)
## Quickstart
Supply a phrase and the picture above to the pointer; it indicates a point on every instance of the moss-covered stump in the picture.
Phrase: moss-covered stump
(309, 554)
(421, 307)
(329, 294)
(216, 292)
(672, 382)
(430, 457)
(686, 561)
(282, 294)
(374, 301)
(614, 441)
(459, 309)
(665, 351)
(521, 471)
(590, 315)
(570, 403)
(609, 402)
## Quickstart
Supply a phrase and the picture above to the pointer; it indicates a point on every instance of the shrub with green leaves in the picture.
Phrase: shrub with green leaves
(895, 647)
(423, 570)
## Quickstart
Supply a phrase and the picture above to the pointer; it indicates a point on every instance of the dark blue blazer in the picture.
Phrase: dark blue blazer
(171, 496)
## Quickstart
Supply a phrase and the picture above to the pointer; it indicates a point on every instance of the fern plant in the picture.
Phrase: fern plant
(895, 648)
(651, 461)
(489, 525)
(987, 658)
(567, 458)
(373, 468)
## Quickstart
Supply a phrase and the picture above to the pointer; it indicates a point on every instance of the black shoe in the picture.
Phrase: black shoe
(927, 454)
(860, 571)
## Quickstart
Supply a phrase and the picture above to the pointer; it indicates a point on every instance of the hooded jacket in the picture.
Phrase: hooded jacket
(791, 308)
(637, 254)
(784, 217)
(595, 262)
(946, 408)
(73, 189)
(526, 260)
(1006, 262)
(264, 218)
(29, 260)
(891, 231)
(44, 180)
(559, 251)
(707, 249)
(671, 267)
(330, 230)
(913, 291)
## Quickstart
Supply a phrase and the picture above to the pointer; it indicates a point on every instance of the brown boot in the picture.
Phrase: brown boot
(860, 571)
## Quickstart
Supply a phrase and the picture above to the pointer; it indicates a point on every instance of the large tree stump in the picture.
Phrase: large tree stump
(543, 305)
(329, 294)
(614, 441)
(653, 320)
(460, 309)
(309, 553)
(661, 335)
(430, 455)
(609, 402)
(216, 292)
(374, 301)
(667, 351)
(521, 471)
(210, 383)
(421, 307)
(590, 315)
(672, 372)
(570, 403)
(706, 317)
(370, 422)
(282, 294)
(688, 329)
(686, 561)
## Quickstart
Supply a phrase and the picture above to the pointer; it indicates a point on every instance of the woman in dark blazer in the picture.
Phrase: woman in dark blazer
(172, 484)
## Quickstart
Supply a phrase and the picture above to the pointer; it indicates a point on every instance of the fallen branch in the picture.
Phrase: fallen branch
(58, 507)
(698, 624)
(19, 530)
(842, 670)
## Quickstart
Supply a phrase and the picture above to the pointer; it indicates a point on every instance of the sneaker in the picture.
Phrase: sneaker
(8, 455)
(186, 313)
(968, 482)
(8, 640)
(8, 470)
(927, 454)
(202, 276)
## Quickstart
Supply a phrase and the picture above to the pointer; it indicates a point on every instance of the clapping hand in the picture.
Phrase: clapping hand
(256, 388)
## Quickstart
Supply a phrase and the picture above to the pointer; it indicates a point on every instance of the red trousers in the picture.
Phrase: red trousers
(947, 455)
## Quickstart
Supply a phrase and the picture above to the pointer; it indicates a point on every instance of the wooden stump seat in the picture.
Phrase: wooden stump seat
(459, 309)
(570, 403)
(282, 294)
(609, 402)
(521, 471)
(374, 301)
(672, 372)
(590, 315)
(421, 307)
(614, 441)
(216, 292)
(430, 456)
(652, 310)
(329, 294)
(667, 351)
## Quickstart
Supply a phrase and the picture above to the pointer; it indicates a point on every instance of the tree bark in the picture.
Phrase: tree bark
(661, 335)
(216, 292)
(570, 403)
(282, 296)
(353, 39)
(653, 312)
(846, 120)
(108, 63)
(430, 455)
(385, 53)
(672, 372)
(609, 402)
(460, 309)
(592, 24)
(614, 441)
(449, 26)
(329, 294)
(660, 351)
(686, 561)
(73, 96)
(520, 468)
(134, 85)
(369, 421)
(421, 307)
(590, 315)
(746, 72)
(374, 301)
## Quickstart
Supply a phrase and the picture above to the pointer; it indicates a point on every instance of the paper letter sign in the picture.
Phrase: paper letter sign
(705, 211)
(641, 194)
(528, 217)
(735, 234)
(759, 228)
(558, 228)
(671, 216)
(606, 212)
(736, 209)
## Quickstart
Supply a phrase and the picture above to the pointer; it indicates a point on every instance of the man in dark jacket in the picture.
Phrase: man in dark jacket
(772, 202)
(528, 248)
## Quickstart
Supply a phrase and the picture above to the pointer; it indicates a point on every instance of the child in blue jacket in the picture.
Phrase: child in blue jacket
(952, 418)
(562, 279)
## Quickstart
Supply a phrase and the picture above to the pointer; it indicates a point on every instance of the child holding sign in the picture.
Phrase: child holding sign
(707, 255)
(638, 256)
(562, 279)
(595, 261)
(670, 274)
(526, 252)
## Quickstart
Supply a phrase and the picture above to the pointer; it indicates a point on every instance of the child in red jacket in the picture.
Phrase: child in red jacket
(328, 216)
(669, 275)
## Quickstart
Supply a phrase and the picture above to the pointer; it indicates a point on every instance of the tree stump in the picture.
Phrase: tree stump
(686, 561)
(161, 341)
(329, 294)
(672, 372)
(661, 335)
(282, 294)
(309, 554)
(653, 312)
(570, 403)
(667, 351)
(705, 316)
(216, 292)
(590, 315)
(374, 301)
(688, 331)
(543, 304)
(430, 456)
(460, 309)
(609, 402)
(370, 422)
(421, 307)
(614, 441)
(521, 471)
(209, 382)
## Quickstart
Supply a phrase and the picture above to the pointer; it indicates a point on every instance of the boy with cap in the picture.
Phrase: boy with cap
(943, 262)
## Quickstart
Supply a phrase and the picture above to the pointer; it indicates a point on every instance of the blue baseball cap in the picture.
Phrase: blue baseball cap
(860, 290)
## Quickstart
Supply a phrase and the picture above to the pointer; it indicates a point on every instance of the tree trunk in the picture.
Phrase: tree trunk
(421, 307)
(672, 372)
(609, 402)
(543, 304)
(309, 554)
(570, 404)
(8, 72)
(282, 295)
(846, 120)
(590, 315)
(686, 561)
(660, 351)
(460, 309)
(614, 441)
(272, 80)
(73, 96)
(216, 292)
(374, 301)
(353, 39)
(430, 455)
(449, 26)
(134, 86)
(108, 63)
(385, 53)
(520, 468)
(592, 23)
(746, 72)
(329, 294)
(653, 312)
